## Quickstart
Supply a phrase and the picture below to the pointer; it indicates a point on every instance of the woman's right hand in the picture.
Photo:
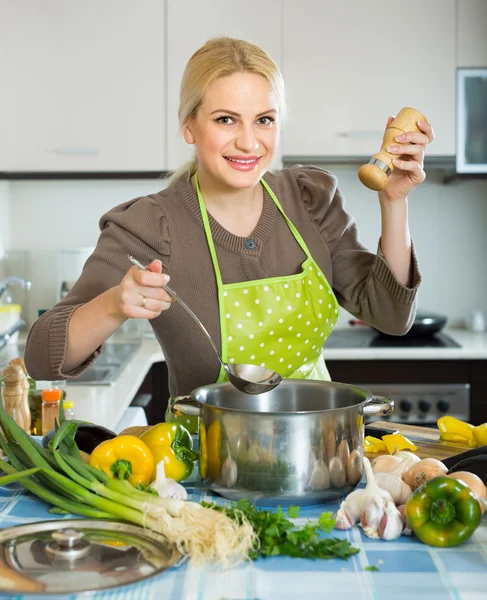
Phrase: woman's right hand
(140, 295)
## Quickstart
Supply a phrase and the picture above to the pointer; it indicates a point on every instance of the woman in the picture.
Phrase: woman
(263, 258)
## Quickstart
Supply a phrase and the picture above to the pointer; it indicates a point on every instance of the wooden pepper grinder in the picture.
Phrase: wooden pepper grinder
(15, 393)
(375, 174)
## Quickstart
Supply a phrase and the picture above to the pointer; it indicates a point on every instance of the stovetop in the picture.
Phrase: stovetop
(369, 338)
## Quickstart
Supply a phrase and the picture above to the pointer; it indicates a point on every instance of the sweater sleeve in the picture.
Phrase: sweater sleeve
(138, 228)
(362, 281)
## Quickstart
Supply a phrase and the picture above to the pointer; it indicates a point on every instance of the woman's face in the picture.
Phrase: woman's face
(235, 130)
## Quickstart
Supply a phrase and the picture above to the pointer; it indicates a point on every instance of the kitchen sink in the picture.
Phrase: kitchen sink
(105, 371)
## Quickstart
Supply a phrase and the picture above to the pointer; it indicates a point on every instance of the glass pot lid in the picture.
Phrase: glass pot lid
(80, 555)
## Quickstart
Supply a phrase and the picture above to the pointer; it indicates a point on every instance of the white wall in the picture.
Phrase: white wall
(4, 224)
(4, 221)
(46, 216)
(448, 224)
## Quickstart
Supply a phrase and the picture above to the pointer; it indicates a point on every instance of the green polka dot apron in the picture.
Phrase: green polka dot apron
(280, 323)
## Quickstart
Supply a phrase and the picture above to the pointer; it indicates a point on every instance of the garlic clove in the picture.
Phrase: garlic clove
(399, 491)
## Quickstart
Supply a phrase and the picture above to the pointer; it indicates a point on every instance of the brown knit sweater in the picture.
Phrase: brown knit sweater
(168, 226)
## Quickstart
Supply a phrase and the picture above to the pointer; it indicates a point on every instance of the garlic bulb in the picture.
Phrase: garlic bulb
(399, 491)
(165, 487)
(374, 508)
(403, 454)
(385, 463)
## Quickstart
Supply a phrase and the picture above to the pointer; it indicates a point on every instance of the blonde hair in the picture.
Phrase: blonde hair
(222, 57)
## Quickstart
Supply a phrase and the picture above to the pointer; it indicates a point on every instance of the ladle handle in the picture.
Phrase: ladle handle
(173, 294)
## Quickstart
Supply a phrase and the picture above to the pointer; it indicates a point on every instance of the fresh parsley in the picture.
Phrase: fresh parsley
(278, 536)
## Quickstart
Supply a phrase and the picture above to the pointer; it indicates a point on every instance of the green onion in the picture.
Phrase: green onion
(60, 477)
(6, 479)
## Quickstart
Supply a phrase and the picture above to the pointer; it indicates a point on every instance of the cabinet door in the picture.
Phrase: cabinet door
(472, 33)
(82, 85)
(349, 65)
(189, 25)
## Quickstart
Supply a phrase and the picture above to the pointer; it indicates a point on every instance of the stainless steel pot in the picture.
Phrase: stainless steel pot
(301, 443)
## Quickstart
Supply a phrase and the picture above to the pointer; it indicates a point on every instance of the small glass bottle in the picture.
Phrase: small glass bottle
(50, 408)
(68, 409)
(36, 427)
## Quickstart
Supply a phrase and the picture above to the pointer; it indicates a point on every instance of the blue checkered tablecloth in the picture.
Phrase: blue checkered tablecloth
(407, 568)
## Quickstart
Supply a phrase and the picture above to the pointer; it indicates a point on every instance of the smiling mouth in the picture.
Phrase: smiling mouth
(247, 161)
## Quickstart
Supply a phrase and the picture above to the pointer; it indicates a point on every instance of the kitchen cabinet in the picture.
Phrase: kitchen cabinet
(82, 85)
(472, 33)
(190, 24)
(349, 65)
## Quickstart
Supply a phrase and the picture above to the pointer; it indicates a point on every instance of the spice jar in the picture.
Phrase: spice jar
(50, 408)
(68, 409)
(36, 402)
(15, 394)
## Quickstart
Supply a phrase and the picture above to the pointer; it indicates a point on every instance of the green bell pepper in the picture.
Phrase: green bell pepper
(443, 512)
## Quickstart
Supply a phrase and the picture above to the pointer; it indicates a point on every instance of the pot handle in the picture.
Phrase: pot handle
(185, 405)
(378, 406)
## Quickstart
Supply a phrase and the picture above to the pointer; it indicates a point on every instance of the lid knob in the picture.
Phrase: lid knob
(67, 538)
(68, 543)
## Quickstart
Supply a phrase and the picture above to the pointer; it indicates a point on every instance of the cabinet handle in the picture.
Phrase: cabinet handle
(360, 134)
(74, 151)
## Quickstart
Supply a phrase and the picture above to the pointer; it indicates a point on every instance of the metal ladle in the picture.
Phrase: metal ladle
(250, 379)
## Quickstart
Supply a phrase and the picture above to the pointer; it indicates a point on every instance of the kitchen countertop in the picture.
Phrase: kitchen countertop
(105, 405)
(406, 567)
(473, 346)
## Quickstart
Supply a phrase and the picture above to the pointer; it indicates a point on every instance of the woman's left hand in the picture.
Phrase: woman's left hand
(408, 172)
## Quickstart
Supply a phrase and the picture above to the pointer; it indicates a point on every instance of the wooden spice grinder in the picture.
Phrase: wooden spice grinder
(375, 174)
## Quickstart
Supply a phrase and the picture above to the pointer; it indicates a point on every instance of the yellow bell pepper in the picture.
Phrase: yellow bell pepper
(446, 436)
(453, 425)
(124, 457)
(480, 434)
(396, 441)
(172, 443)
(374, 445)
(213, 448)
(203, 452)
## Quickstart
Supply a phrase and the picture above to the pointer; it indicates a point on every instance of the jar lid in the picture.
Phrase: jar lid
(52, 395)
(68, 404)
(8, 308)
(80, 555)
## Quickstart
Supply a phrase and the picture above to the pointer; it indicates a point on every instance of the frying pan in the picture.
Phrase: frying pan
(425, 324)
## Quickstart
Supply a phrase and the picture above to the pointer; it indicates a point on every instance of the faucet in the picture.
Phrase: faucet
(5, 284)
(4, 338)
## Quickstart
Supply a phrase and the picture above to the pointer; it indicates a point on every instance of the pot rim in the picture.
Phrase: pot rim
(367, 394)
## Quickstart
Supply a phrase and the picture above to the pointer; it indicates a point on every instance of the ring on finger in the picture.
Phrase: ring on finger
(144, 302)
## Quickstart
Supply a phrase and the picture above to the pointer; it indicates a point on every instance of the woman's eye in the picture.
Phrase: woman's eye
(225, 120)
(266, 121)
